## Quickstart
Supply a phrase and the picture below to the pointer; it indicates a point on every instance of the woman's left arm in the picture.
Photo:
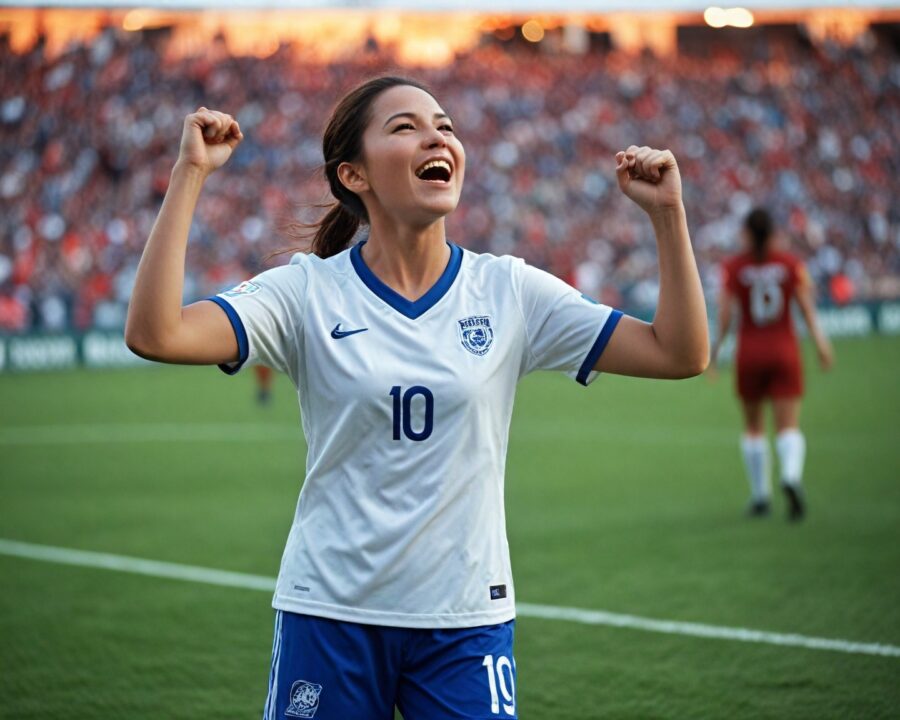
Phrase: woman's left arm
(676, 343)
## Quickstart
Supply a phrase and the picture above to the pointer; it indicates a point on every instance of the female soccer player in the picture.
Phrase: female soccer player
(763, 281)
(263, 384)
(395, 585)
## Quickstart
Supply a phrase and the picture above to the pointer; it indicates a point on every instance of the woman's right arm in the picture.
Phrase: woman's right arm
(158, 327)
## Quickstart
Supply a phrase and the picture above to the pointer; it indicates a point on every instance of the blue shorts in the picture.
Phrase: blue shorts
(334, 670)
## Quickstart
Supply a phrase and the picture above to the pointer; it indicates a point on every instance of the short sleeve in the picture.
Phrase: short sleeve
(266, 314)
(564, 329)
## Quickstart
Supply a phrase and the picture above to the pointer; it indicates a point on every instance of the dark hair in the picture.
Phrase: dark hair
(342, 142)
(759, 224)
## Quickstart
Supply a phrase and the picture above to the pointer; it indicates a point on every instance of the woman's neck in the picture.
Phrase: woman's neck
(408, 260)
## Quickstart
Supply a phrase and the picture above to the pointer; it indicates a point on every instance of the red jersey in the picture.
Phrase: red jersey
(768, 361)
(764, 290)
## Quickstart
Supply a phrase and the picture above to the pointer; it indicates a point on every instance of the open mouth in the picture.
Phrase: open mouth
(436, 171)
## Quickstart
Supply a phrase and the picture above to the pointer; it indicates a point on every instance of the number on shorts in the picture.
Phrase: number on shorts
(766, 302)
(497, 677)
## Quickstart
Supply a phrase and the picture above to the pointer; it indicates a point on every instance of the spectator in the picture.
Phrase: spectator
(84, 143)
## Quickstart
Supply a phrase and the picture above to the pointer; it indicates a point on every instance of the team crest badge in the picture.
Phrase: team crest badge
(304, 699)
(245, 288)
(476, 334)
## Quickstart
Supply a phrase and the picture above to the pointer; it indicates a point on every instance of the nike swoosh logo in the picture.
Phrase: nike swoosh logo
(337, 333)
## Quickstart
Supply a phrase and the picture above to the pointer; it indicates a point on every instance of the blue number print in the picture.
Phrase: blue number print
(403, 412)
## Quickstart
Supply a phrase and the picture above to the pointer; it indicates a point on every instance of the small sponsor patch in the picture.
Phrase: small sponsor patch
(589, 299)
(476, 334)
(498, 592)
(245, 288)
(304, 699)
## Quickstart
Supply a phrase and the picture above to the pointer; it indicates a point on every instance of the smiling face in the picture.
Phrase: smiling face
(412, 163)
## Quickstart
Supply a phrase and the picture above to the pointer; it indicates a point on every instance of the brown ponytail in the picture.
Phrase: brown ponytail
(334, 232)
(342, 142)
(760, 227)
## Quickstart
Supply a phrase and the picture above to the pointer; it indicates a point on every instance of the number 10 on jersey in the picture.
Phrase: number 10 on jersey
(403, 420)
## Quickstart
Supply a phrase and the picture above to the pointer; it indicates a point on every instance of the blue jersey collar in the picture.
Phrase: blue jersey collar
(410, 309)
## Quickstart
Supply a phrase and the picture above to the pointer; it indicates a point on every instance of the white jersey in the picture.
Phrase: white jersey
(406, 409)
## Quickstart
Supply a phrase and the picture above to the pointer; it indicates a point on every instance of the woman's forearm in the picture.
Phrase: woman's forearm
(154, 312)
(680, 323)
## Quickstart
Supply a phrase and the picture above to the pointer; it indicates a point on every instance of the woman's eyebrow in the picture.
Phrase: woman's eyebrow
(412, 115)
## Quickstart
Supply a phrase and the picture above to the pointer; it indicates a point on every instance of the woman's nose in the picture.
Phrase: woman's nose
(434, 138)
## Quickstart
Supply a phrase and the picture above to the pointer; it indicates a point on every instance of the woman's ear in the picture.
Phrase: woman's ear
(352, 177)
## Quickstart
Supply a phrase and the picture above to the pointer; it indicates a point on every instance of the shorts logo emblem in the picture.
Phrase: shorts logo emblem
(304, 699)
(245, 288)
(476, 334)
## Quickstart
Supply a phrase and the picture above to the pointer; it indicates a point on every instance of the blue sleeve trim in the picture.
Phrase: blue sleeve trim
(239, 332)
(598, 347)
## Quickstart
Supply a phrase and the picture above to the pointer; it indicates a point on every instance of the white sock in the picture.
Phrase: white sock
(755, 450)
(791, 448)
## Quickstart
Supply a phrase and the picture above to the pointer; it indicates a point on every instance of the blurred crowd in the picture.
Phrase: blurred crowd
(88, 139)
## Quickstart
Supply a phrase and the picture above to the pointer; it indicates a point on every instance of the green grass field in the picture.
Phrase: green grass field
(626, 497)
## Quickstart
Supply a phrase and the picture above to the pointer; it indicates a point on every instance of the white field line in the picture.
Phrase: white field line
(210, 576)
(123, 563)
(716, 632)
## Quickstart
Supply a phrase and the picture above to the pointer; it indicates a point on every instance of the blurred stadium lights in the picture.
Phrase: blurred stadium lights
(423, 32)
(533, 31)
(517, 7)
(135, 20)
(728, 17)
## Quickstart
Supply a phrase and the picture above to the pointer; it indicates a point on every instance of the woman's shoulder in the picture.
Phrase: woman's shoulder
(301, 269)
(488, 262)
(311, 264)
(786, 257)
(738, 258)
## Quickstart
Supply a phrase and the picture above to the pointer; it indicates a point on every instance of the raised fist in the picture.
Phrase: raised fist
(650, 177)
(208, 139)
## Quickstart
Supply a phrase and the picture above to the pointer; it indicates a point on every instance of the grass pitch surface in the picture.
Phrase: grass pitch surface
(625, 497)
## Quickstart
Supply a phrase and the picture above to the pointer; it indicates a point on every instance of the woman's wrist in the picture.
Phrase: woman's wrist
(669, 221)
(190, 171)
(667, 212)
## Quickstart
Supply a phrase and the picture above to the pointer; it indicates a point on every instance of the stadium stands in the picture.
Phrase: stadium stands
(87, 140)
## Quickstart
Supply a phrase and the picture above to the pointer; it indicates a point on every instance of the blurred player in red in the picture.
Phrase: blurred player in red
(762, 282)
(263, 384)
